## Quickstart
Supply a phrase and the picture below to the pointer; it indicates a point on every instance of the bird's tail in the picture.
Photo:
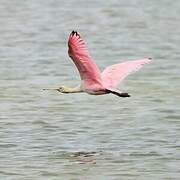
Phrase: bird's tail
(117, 93)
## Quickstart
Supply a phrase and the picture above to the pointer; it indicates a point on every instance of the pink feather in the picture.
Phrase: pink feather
(88, 70)
(113, 74)
(92, 80)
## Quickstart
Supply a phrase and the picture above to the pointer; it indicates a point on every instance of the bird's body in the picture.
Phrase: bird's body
(92, 80)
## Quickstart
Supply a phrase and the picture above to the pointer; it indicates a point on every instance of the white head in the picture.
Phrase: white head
(62, 89)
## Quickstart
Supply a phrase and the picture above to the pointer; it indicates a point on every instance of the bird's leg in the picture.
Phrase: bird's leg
(118, 93)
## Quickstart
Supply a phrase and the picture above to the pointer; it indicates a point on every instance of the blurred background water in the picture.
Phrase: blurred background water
(42, 134)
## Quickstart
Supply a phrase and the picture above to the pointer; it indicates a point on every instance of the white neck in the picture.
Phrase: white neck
(73, 90)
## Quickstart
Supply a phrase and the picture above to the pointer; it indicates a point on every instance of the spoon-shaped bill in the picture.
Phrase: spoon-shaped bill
(49, 89)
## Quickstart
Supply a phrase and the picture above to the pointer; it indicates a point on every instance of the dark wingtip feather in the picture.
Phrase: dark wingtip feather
(75, 33)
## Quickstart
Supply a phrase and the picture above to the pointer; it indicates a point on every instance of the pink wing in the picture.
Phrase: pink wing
(88, 70)
(112, 75)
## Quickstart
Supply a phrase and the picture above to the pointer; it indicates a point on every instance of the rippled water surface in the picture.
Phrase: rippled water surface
(46, 135)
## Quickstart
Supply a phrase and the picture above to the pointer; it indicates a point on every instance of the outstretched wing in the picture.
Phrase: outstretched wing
(88, 70)
(112, 75)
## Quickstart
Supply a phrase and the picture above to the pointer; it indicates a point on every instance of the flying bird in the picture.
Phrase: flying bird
(92, 80)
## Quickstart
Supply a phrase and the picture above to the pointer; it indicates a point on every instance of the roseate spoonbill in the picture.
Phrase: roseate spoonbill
(92, 80)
